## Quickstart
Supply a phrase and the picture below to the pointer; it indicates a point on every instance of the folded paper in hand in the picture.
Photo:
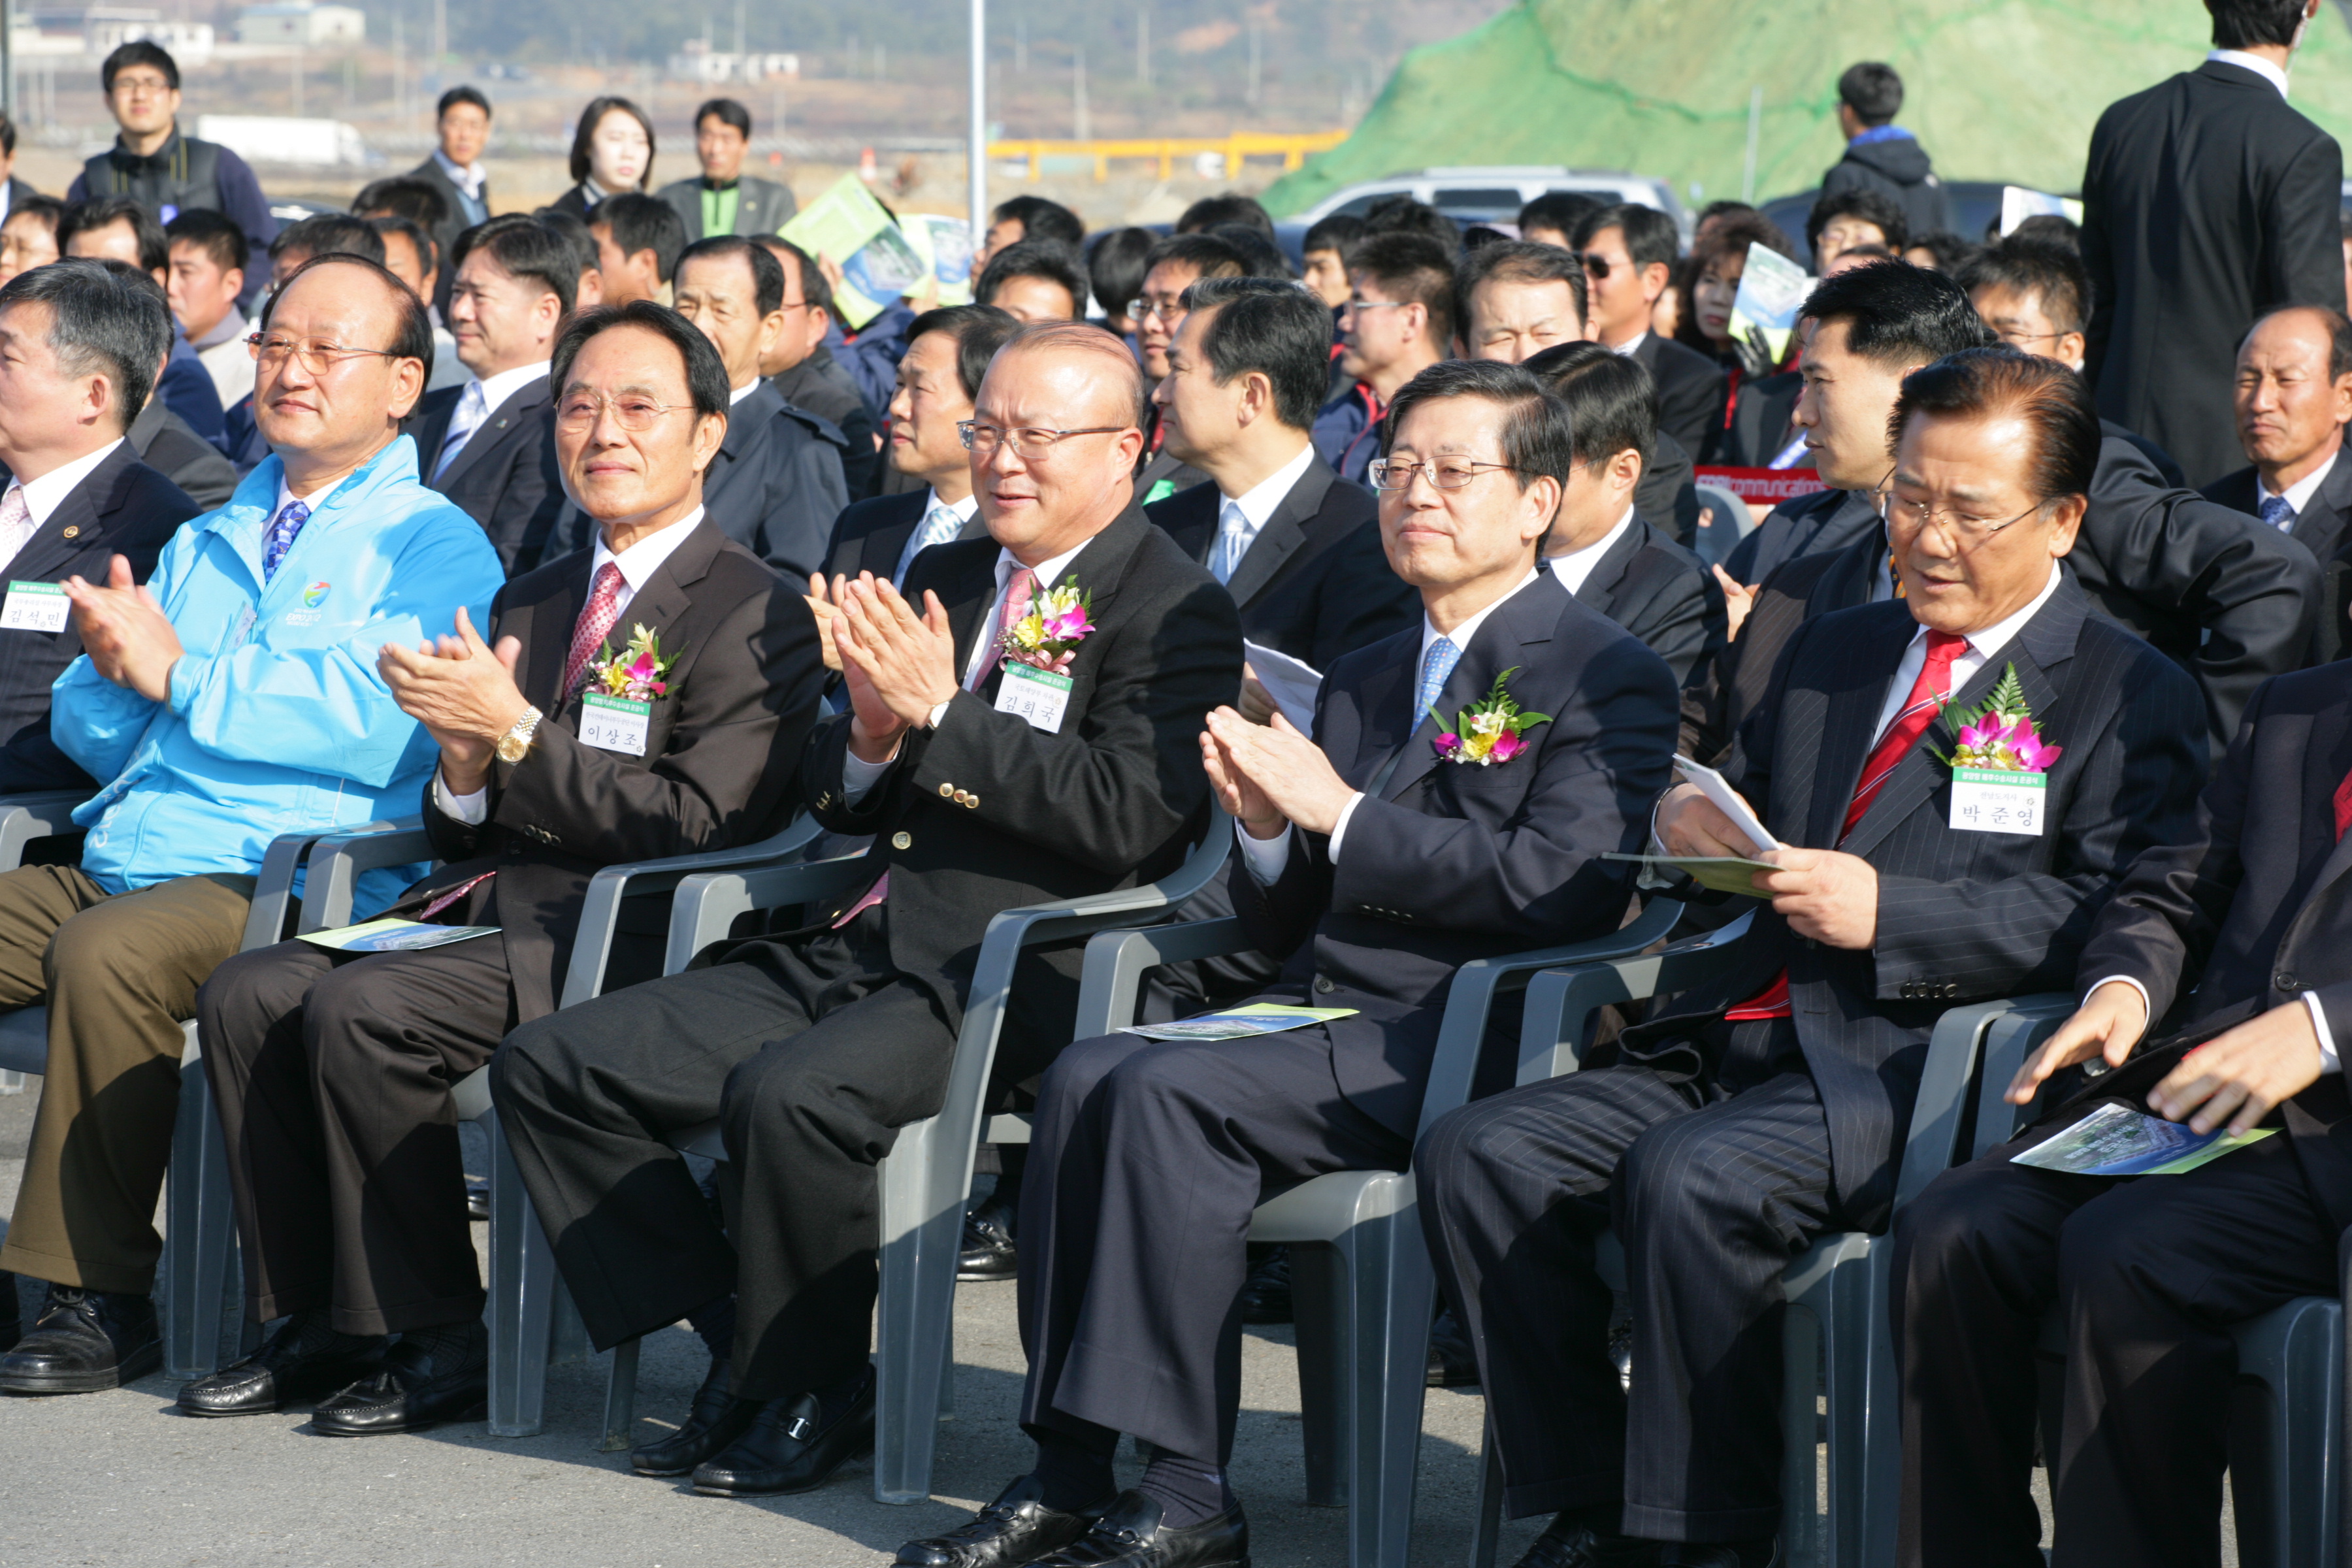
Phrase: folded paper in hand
(1727, 800)
(1723, 873)
(1292, 683)
(2116, 1140)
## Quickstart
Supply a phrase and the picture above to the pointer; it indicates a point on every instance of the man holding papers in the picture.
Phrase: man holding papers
(1958, 778)
(1467, 775)
(647, 697)
(2235, 933)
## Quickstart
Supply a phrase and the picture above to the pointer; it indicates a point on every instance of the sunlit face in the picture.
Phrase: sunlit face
(1379, 330)
(1972, 543)
(500, 321)
(1029, 300)
(202, 292)
(1327, 278)
(719, 147)
(27, 241)
(1038, 507)
(1441, 538)
(2023, 320)
(400, 258)
(1841, 234)
(1513, 320)
(1163, 290)
(45, 413)
(1619, 294)
(929, 403)
(340, 409)
(1844, 406)
(618, 475)
(2289, 409)
(143, 99)
(1712, 295)
(619, 152)
(464, 133)
(720, 295)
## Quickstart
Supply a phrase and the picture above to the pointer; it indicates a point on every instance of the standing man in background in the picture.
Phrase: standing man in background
(456, 170)
(166, 172)
(2207, 201)
(725, 200)
(1881, 156)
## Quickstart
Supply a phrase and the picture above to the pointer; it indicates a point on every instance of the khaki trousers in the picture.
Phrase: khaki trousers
(120, 974)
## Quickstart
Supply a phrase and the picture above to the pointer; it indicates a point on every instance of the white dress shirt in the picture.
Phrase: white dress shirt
(1630, 344)
(2254, 63)
(489, 395)
(1242, 518)
(1574, 567)
(2298, 494)
(639, 564)
(1265, 857)
(467, 177)
(42, 496)
(856, 776)
(931, 503)
(736, 394)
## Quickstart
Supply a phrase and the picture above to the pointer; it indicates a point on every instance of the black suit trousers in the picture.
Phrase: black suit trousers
(2148, 1277)
(1147, 1160)
(1711, 1202)
(332, 1074)
(810, 1052)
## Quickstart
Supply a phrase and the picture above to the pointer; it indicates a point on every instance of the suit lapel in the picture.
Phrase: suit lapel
(2325, 767)
(1600, 584)
(1283, 532)
(49, 549)
(1525, 618)
(493, 430)
(1190, 518)
(1850, 729)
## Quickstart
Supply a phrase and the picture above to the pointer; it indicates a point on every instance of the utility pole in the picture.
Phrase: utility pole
(1019, 45)
(9, 58)
(742, 49)
(1755, 134)
(1256, 50)
(1143, 46)
(1078, 93)
(440, 33)
(976, 145)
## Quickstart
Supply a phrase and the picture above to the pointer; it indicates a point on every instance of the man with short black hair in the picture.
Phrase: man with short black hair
(1230, 207)
(1115, 273)
(1397, 322)
(1881, 156)
(119, 229)
(2207, 201)
(1515, 299)
(1849, 220)
(410, 197)
(208, 254)
(777, 483)
(165, 173)
(1629, 253)
(12, 189)
(803, 370)
(462, 125)
(489, 445)
(1170, 268)
(1553, 217)
(724, 199)
(638, 241)
(409, 255)
(1027, 218)
(1034, 280)
(1329, 249)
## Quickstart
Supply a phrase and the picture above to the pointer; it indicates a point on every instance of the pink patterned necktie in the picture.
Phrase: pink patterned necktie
(603, 608)
(16, 522)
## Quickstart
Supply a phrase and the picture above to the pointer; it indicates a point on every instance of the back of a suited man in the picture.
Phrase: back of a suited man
(2207, 201)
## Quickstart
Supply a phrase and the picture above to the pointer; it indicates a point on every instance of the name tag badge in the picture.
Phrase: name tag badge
(33, 607)
(1038, 696)
(1990, 800)
(615, 723)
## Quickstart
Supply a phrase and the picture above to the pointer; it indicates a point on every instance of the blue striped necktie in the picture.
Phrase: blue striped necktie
(1436, 664)
(280, 537)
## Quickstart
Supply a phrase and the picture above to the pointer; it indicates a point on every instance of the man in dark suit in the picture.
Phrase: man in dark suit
(1629, 254)
(725, 200)
(813, 1047)
(806, 376)
(1602, 547)
(489, 445)
(1769, 1107)
(2231, 938)
(1378, 858)
(2294, 400)
(78, 494)
(2205, 202)
(333, 1068)
(1397, 322)
(777, 483)
(162, 441)
(1299, 552)
(462, 122)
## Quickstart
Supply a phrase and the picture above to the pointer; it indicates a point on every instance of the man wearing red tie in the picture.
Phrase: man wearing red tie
(1769, 1107)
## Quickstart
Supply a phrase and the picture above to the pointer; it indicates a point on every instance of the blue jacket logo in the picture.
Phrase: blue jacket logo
(315, 596)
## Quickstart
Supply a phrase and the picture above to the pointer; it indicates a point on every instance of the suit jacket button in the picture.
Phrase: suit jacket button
(73, 531)
(1910, 989)
(2284, 981)
(947, 792)
(902, 840)
(973, 801)
(1323, 985)
(1951, 988)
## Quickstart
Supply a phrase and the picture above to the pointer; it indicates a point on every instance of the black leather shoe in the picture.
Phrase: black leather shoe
(1572, 1544)
(717, 1419)
(83, 1341)
(416, 1388)
(1451, 1362)
(304, 1359)
(478, 1198)
(1719, 1554)
(1016, 1528)
(988, 1251)
(1265, 1294)
(786, 1448)
(1131, 1536)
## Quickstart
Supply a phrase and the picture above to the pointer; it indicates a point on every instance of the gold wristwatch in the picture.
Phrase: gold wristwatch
(516, 741)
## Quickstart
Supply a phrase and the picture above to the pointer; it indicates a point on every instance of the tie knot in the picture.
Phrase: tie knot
(608, 579)
(1945, 647)
(2278, 511)
(295, 514)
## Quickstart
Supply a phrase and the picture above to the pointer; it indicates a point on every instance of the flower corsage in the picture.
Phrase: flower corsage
(1490, 731)
(1998, 735)
(635, 674)
(1047, 637)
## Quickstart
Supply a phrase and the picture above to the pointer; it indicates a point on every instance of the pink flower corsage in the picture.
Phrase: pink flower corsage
(636, 673)
(1489, 732)
(1047, 637)
(1999, 735)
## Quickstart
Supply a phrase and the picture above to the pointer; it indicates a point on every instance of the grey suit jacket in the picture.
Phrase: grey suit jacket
(762, 206)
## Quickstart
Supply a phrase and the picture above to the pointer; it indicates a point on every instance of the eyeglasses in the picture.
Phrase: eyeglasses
(1446, 473)
(1030, 443)
(1963, 532)
(631, 411)
(1166, 309)
(1597, 264)
(1355, 304)
(2017, 339)
(271, 350)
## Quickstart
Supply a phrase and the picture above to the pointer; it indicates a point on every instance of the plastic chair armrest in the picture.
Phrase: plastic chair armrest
(45, 813)
(338, 859)
(1116, 961)
(1561, 1001)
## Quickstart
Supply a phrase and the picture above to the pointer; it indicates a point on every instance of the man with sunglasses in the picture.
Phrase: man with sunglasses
(1769, 1106)
(232, 697)
(1379, 857)
(332, 1069)
(995, 761)
(1629, 254)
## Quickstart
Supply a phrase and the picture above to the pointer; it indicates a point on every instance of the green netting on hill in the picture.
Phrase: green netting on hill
(1997, 89)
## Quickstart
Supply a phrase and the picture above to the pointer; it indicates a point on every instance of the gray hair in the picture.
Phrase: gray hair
(100, 323)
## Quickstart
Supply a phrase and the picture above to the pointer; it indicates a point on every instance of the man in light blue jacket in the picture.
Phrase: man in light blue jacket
(232, 698)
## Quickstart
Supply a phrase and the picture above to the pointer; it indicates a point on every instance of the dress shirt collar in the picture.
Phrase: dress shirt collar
(736, 394)
(1460, 636)
(496, 389)
(228, 329)
(640, 560)
(720, 185)
(42, 495)
(1632, 346)
(1986, 643)
(591, 191)
(1574, 567)
(2254, 63)
(962, 508)
(467, 177)
(1258, 502)
(314, 500)
(2298, 494)
(1049, 573)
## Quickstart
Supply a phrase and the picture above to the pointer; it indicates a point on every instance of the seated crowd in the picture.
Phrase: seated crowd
(1025, 590)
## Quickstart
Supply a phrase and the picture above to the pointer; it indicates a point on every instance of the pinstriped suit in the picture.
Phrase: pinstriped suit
(1725, 1148)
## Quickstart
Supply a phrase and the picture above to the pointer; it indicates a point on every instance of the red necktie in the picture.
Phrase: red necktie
(1929, 694)
(2344, 806)
(595, 624)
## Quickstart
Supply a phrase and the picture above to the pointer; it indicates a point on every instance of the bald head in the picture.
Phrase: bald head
(2293, 395)
(1055, 436)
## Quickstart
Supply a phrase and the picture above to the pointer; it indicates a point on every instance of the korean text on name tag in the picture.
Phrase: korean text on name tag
(1038, 696)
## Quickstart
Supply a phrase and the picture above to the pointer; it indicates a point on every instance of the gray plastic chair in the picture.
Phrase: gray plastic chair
(926, 1177)
(1836, 1338)
(23, 820)
(521, 1344)
(1731, 523)
(1360, 1274)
